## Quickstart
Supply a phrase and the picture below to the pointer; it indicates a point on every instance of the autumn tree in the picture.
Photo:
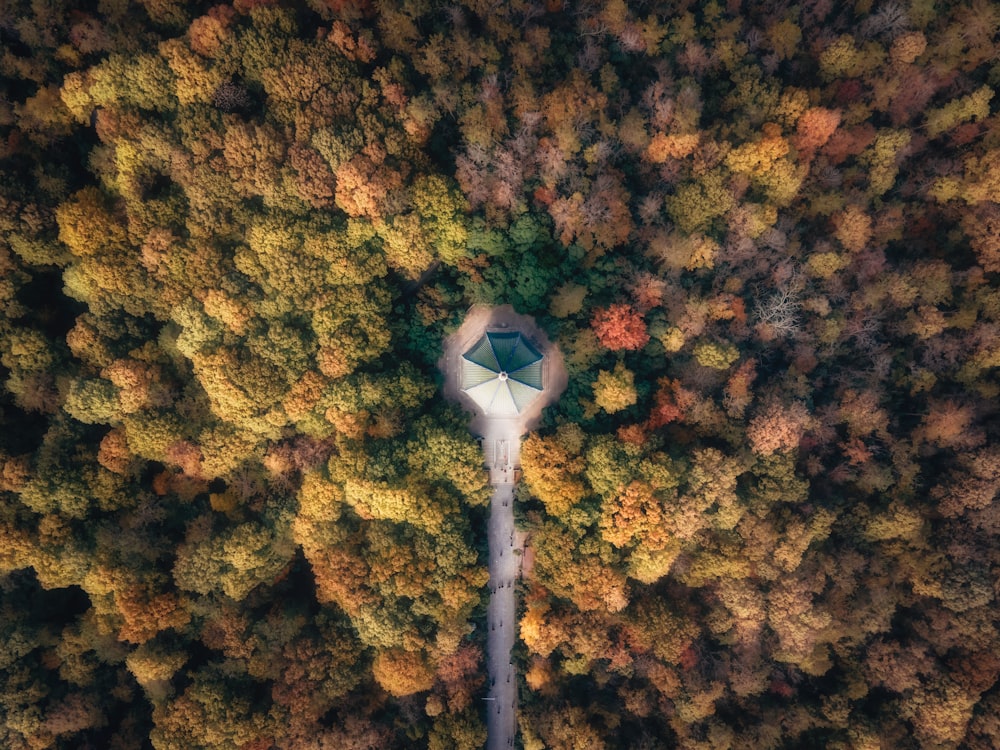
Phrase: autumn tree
(777, 428)
(619, 327)
(615, 390)
(553, 469)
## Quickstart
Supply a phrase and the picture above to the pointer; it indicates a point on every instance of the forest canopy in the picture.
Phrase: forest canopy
(236, 512)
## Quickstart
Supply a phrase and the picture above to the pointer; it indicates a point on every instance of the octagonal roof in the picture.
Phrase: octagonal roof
(502, 373)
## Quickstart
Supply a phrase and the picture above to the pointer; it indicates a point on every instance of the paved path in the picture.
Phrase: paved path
(501, 447)
(501, 619)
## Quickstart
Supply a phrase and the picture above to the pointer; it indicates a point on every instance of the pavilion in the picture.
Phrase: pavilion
(502, 373)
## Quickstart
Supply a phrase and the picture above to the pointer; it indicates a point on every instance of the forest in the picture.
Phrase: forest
(236, 512)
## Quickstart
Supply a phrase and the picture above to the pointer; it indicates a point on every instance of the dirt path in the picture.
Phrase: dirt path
(502, 451)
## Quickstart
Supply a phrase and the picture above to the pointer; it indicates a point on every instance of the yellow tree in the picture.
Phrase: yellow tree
(615, 390)
(403, 673)
(636, 516)
(553, 469)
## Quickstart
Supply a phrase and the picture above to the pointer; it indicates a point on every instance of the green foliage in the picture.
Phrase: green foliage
(234, 562)
(609, 466)
(492, 242)
(441, 209)
(442, 450)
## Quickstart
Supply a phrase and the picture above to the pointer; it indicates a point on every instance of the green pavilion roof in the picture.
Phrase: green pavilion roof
(502, 373)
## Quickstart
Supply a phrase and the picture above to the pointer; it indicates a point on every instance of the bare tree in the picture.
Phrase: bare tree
(779, 310)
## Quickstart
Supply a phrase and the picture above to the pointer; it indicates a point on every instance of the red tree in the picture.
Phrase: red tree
(620, 327)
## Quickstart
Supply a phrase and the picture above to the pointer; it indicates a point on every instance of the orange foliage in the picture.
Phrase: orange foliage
(597, 587)
(208, 32)
(363, 184)
(539, 674)
(145, 615)
(236, 315)
(855, 451)
(403, 672)
(228, 252)
(14, 472)
(973, 487)
(341, 577)
(134, 380)
(814, 129)
(74, 713)
(635, 515)
(353, 48)
(908, 47)
(669, 404)
(314, 180)
(647, 290)
(538, 634)
(598, 221)
(619, 328)
(777, 428)
(738, 394)
(633, 434)
(544, 196)
(304, 395)
(186, 456)
(226, 631)
(982, 225)
(849, 142)
(853, 228)
(674, 146)
(114, 454)
(461, 674)
(949, 425)
(863, 413)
